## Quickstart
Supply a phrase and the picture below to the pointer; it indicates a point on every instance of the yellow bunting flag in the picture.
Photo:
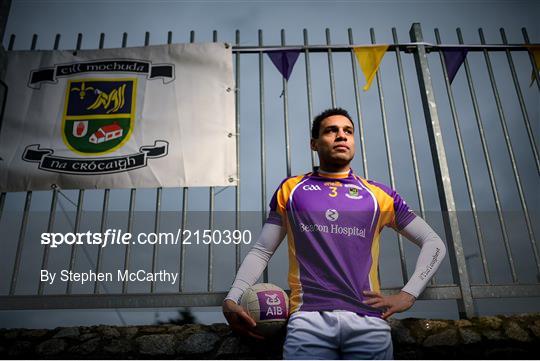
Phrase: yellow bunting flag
(369, 58)
(535, 51)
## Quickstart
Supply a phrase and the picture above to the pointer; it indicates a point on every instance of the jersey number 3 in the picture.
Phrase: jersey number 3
(333, 191)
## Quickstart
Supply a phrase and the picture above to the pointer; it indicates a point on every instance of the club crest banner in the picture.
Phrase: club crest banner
(155, 116)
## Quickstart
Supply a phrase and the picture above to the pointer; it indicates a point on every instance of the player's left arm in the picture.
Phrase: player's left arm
(432, 252)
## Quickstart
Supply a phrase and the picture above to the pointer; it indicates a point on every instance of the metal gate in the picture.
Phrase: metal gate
(437, 145)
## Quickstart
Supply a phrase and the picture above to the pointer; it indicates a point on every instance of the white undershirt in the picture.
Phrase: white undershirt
(432, 252)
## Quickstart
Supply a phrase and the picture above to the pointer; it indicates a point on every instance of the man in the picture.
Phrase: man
(333, 219)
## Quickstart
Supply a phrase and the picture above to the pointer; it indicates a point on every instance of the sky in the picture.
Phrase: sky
(113, 18)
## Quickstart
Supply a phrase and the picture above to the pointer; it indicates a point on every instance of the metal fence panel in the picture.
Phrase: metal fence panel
(264, 149)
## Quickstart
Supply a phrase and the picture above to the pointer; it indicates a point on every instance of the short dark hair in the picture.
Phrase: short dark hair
(316, 126)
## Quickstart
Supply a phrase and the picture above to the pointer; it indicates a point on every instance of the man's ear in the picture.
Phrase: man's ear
(313, 143)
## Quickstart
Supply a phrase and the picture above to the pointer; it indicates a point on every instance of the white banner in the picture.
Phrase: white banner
(155, 116)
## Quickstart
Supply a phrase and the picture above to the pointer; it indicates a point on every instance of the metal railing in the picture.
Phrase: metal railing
(436, 127)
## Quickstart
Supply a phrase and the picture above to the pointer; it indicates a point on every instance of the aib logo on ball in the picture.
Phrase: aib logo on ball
(273, 306)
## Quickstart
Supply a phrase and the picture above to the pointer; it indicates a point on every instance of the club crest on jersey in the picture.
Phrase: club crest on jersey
(353, 191)
(98, 114)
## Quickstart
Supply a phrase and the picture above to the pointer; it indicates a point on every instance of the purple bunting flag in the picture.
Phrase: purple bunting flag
(453, 58)
(284, 61)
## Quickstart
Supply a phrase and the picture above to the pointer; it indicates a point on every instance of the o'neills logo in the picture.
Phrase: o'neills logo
(98, 117)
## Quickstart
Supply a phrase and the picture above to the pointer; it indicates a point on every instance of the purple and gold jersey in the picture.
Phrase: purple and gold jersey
(333, 227)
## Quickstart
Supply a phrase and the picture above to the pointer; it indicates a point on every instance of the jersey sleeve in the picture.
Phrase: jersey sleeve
(277, 206)
(402, 214)
(274, 216)
(279, 200)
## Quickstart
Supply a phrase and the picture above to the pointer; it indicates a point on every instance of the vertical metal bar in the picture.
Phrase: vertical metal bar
(24, 222)
(34, 42)
(2, 201)
(237, 118)
(104, 212)
(182, 222)
(464, 162)
(79, 41)
(132, 196)
(485, 150)
(79, 206)
(3, 194)
(101, 40)
(105, 204)
(313, 154)
(56, 41)
(358, 109)
(263, 146)
(73, 255)
(407, 113)
(5, 6)
(508, 143)
(211, 198)
(286, 115)
(182, 245)
(50, 225)
(380, 92)
(20, 243)
(410, 134)
(211, 217)
(210, 246)
(156, 231)
(331, 69)
(521, 101)
(181, 258)
(185, 195)
(158, 206)
(531, 57)
(4, 102)
(146, 38)
(52, 212)
(442, 174)
(11, 42)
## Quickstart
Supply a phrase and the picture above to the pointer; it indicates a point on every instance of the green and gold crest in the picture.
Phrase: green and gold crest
(99, 114)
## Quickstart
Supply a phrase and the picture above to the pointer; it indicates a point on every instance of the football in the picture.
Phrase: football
(268, 305)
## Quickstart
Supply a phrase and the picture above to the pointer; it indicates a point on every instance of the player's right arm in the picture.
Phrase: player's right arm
(249, 272)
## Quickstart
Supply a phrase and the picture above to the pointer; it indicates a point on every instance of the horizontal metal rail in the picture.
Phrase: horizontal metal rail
(209, 299)
(160, 300)
(407, 47)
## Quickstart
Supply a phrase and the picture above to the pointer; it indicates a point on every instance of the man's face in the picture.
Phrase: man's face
(335, 144)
